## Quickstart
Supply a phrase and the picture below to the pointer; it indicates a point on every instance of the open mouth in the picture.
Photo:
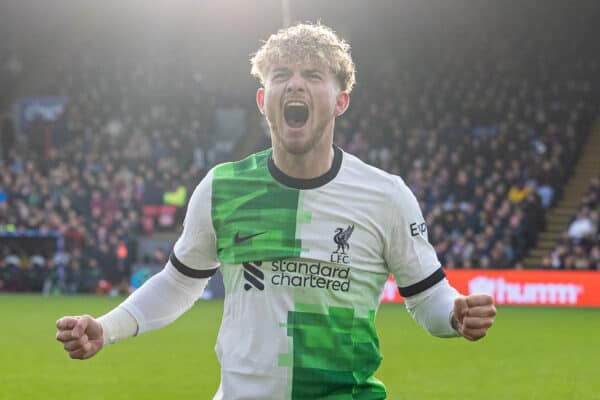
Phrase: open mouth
(295, 114)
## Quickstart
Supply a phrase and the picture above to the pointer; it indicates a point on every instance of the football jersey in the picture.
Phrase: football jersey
(304, 263)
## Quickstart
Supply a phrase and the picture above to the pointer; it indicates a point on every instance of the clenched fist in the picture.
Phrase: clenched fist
(82, 336)
(473, 315)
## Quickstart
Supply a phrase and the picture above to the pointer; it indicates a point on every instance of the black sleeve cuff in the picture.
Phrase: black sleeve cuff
(423, 285)
(190, 272)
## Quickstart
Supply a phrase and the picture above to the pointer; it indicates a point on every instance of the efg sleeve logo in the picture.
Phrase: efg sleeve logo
(417, 229)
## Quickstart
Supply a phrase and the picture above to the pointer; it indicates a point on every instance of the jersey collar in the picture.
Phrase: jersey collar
(313, 183)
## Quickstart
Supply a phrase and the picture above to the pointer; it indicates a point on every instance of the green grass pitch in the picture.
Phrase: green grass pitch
(531, 353)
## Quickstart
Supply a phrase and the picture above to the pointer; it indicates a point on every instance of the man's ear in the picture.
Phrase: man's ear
(342, 101)
(260, 99)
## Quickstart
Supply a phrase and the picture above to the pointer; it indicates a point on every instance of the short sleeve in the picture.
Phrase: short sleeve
(195, 252)
(408, 254)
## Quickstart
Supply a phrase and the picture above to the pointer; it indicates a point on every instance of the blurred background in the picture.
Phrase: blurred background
(113, 111)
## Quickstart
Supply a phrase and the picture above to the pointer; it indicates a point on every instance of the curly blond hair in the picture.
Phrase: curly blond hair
(306, 43)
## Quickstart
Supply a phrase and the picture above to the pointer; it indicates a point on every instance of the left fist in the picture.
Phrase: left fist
(473, 315)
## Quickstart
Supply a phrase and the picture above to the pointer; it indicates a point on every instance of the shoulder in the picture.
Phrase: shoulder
(391, 189)
(367, 175)
(250, 165)
(233, 169)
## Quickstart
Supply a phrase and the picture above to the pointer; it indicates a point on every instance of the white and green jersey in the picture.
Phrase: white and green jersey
(303, 263)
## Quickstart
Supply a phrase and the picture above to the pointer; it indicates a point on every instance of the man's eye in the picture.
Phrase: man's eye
(279, 77)
(315, 77)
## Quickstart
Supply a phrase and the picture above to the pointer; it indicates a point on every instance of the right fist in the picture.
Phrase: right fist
(81, 336)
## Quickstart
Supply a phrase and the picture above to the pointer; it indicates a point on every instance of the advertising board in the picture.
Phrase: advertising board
(521, 287)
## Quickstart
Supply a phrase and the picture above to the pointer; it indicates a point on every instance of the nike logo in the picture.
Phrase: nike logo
(240, 239)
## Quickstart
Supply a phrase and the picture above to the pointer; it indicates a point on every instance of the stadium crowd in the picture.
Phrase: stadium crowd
(485, 129)
(118, 150)
(579, 246)
(485, 146)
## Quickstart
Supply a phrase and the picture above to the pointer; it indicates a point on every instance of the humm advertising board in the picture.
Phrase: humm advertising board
(521, 287)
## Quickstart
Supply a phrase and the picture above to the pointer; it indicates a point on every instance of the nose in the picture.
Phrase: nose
(295, 84)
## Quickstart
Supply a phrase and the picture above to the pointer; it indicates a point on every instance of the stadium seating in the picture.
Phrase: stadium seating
(485, 128)
(579, 246)
(102, 173)
(487, 147)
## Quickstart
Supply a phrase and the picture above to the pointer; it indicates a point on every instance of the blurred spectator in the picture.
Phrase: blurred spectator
(5, 275)
(91, 275)
(582, 226)
(579, 246)
(519, 191)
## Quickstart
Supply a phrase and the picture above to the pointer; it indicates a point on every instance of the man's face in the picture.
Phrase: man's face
(301, 103)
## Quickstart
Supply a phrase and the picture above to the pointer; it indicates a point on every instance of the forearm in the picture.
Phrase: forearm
(161, 300)
(432, 309)
(117, 324)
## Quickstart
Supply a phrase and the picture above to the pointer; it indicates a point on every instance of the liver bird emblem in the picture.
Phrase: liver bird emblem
(341, 238)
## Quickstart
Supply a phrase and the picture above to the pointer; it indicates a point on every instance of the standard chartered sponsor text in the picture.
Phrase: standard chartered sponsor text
(306, 274)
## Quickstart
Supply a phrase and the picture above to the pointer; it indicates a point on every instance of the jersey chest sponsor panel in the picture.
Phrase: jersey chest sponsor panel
(307, 266)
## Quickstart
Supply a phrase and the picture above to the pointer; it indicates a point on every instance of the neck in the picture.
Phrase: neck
(309, 165)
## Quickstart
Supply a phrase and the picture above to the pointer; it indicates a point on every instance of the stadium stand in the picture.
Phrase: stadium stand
(114, 166)
(560, 217)
(487, 146)
(486, 129)
(579, 246)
